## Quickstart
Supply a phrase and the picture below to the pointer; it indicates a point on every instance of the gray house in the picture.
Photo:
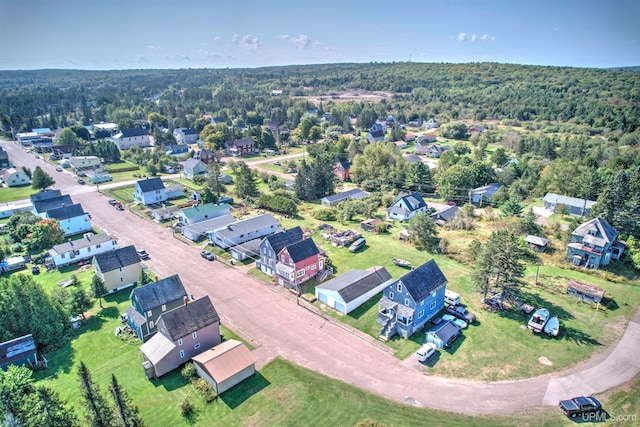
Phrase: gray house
(245, 230)
(575, 206)
(150, 301)
(271, 247)
(334, 199)
(445, 215)
(409, 302)
(594, 244)
(482, 195)
(193, 168)
(350, 290)
(183, 333)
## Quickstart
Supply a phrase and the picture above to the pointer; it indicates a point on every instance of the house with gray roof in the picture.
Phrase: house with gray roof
(183, 332)
(376, 133)
(18, 351)
(573, 205)
(445, 215)
(72, 219)
(73, 251)
(150, 191)
(411, 301)
(46, 194)
(538, 244)
(50, 201)
(198, 213)
(132, 137)
(150, 301)
(244, 230)
(406, 206)
(194, 167)
(481, 196)
(240, 147)
(186, 135)
(13, 177)
(593, 244)
(271, 246)
(118, 268)
(334, 199)
(350, 290)
(245, 250)
(299, 262)
(199, 230)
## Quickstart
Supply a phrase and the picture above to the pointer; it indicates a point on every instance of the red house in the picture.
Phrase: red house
(240, 147)
(298, 263)
(341, 170)
(205, 156)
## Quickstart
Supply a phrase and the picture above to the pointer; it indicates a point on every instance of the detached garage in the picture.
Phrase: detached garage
(225, 365)
(350, 290)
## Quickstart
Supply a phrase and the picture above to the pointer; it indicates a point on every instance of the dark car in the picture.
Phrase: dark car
(81, 181)
(207, 255)
(581, 405)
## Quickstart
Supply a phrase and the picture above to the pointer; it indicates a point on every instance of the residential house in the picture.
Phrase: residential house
(245, 250)
(198, 230)
(271, 246)
(341, 170)
(203, 212)
(175, 149)
(4, 159)
(350, 290)
(406, 206)
(133, 137)
(573, 205)
(82, 163)
(193, 168)
(165, 213)
(18, 351)
(443, 334)
(60, 152)
(72, 219)
(244, 230)
(409, 137)
(183, 332)
(186, 135)
(174, 191)
(45, 132)
(46, 194)
(593, 244)
(298, 262)
(225, 365)
(376, 133)
(334, 199)
(272, 125)
(13, 177)
(412, 158)
(538, 244)
(475, 129)
(218, 121)
(205, 156)
(150, 191)
(421, 147)
(481, 196)
(436, 150)
(445, 215)
(48, 200)
(400, 144)
(73, 251)
(118, 268)
(430, 124)
(409, 302)
(429, 138)
(148, 302)
(240, 147)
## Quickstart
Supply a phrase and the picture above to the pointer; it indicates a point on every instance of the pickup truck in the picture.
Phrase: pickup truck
(580, 406)
(461, 313)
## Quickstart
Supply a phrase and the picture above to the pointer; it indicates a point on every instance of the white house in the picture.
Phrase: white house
(193, 168)
(406, 206)
(185, 135)
(15, 177)
(77, 250)
(203, 212)
(245, 230)
(149, 191)
(201, 229)
(73, 219)
(133, 137)
(86, 162)
(350, 290)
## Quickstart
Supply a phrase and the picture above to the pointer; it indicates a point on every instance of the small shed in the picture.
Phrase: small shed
(225, 365)
(18, 351)
(13, 263)
(538, 244)
(443, 334)
(370, 225)
(404, 235)
(585, 291)
(334, 199)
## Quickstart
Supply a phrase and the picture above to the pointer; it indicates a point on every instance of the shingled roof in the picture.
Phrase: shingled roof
(601, 228)
(279, 240)
(302, 250)
(66, 212)
(43, 205)
(189, 318)
(150, 184)
(421, 281)
(355, 283)
(131, 132)
(47, 194)
(119, 258)
(163, 291)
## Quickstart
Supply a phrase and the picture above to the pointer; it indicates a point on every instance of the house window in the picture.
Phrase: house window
(149, 313)
(151, 324)
(89, 249)
(421, 303)
(433, 294)
(390, 295)
(97, 246)
(197, 346)
(63, 256)
(300, 273)
(180, 341)
(432, 306)
(194, 335)
(121, 280)
(181, 354)
(164, 307)
(406, 302)
(313, 267)
(399, 288)
(420, 314)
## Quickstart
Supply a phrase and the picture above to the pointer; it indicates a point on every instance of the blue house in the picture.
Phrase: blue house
(482, 195)
(18, 351)
(573, 205)
(376, 133)
(149, 191)
(594, 244)
(409, 302)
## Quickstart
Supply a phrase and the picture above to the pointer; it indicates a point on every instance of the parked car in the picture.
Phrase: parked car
(113, 202)
(81, 181)
(35, 269)
(425, 352)
(461, 313)
(119, 207)
(207, 255)
(58, 169)
(142, 254)
(580, 405)
(357, 245)
(458, 322)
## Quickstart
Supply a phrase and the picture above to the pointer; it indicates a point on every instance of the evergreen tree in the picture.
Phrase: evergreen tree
(79, 302)
(213, 183)
(511, 208)
(98, 411)
(418, 177)
(423, 232)
(246, 185)
(128, 413)
(98, 288)
(40, 179)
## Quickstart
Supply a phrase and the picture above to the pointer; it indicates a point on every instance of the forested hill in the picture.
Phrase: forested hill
(597, 98)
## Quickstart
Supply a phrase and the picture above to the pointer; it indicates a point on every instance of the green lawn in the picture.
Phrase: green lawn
(9, 194)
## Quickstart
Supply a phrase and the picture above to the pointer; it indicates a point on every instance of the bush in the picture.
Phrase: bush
(199, 180)
(186, 407)
(205, 390)
(277, 203)
(189, 372)
(329, 214)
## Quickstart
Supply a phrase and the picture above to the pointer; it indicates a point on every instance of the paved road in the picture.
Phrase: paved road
(278, 326)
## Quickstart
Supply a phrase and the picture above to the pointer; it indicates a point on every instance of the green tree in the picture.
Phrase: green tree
(143, 278)
(246, 182)
(98, 411)
(499, 157)
(45, 234)
(511, 208)
(128, 413)
(41, 180)
(79, 302)
(213, 182)
(380, 166)
(68, 137)
(423, 232)
(454, 130)
(98, 288)
(418, 177)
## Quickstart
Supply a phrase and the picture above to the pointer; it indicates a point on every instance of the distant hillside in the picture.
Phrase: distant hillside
(636, 68)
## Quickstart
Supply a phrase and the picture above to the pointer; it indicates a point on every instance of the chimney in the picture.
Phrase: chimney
(185, 300)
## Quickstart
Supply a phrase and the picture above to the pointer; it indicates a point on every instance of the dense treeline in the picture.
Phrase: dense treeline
(595, 98)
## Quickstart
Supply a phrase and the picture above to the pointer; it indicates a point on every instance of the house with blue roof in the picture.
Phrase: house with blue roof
(574, 205)
(593, 244)
(376, 133)
(481, 196)
(411, 301)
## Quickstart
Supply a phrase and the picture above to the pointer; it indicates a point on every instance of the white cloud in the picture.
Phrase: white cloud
(462, 37)
(246, 42)
(152, 47)
(284, 36)
(475, 38)
(302, 41)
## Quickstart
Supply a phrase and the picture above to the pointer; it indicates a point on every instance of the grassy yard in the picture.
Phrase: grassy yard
(9, 194)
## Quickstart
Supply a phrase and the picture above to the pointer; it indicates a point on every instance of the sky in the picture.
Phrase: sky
(126, 34)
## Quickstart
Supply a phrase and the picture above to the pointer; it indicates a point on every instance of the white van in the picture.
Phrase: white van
(451, 298)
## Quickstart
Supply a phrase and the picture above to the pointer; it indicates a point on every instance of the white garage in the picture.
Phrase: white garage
(350, 290)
